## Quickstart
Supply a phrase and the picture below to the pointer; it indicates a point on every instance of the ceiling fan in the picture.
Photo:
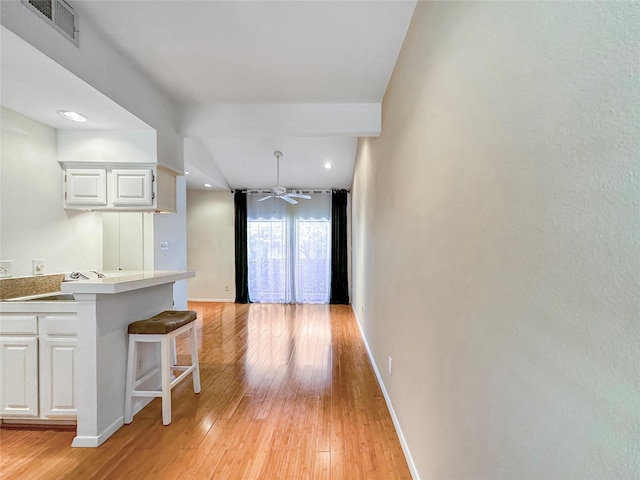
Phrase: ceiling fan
(279, 191)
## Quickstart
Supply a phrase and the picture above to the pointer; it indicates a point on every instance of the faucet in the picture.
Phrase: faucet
(78, 276)
(98, 274)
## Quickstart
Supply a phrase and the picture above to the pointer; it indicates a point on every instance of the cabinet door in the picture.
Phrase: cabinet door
(19, 376)
(86, 186)
(58, 347)
(132, 187)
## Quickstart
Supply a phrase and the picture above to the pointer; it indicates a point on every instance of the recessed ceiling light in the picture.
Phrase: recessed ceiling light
(208, 185)
(74, 116)
(328, 165)
(186, 173)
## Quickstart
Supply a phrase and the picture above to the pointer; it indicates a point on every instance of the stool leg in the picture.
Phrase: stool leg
(174, 352)
(193, 346)
(132, 359)
(165, 366)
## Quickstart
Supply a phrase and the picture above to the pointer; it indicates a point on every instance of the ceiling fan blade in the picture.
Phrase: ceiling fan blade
(265, 198)
(299, 195)
(288, 199)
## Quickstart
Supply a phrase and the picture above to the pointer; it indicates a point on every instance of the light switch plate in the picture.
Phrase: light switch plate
(6, 268)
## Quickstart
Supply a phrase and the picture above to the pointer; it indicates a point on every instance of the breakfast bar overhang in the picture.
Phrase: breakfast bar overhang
(106, 306)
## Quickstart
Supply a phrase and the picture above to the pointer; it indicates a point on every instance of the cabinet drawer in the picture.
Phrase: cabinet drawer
(18, 325)
(59, 325)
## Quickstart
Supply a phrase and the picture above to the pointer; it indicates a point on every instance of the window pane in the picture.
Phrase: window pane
(289, 250)
(313, 261)
(266, 255)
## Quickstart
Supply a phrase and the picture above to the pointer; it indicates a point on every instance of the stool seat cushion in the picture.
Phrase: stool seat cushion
(162, 323)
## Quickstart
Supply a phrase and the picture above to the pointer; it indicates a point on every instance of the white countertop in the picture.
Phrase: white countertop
(118, 282)
(114, 282)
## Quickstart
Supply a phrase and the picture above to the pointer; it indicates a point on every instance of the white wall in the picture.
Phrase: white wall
(109, 146)
(210, 248)
(33, 223)
(495, 227)
(171, 228)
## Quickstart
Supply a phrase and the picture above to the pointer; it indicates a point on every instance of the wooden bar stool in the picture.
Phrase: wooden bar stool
(162, 328)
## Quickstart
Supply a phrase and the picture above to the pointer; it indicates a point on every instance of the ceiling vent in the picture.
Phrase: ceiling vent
(58, 14)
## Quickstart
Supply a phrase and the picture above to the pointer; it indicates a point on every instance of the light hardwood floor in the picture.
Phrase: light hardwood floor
(288, 392)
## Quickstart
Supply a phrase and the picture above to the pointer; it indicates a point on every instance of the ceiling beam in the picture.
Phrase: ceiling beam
(308, 120)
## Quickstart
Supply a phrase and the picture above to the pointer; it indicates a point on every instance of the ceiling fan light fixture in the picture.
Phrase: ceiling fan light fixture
(71, 115)
(328, 165)
(279, 191)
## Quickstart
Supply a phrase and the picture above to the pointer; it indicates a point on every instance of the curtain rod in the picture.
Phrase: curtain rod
(261, 191)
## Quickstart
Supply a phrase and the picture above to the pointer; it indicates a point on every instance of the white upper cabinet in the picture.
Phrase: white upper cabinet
(86, 186)
(133, 188)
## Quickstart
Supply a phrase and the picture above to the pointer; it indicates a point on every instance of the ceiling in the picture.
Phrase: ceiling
(251, 77)
(23, 90)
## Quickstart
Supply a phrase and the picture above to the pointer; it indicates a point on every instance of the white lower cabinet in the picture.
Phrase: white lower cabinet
(58, 339)
(37, 366)
(19, 373)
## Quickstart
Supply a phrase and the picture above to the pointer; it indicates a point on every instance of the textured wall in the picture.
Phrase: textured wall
(210, 247)
(496, 226)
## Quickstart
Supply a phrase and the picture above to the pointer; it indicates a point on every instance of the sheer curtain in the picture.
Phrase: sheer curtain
(289, 250)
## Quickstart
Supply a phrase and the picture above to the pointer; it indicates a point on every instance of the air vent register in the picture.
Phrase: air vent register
(58, 14)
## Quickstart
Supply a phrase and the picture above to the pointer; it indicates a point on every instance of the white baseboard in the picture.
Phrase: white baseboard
(93, 442)
(403, 443)
(217, 300)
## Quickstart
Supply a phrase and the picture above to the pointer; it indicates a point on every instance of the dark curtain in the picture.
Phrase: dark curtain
(339, 266)
(242, 264)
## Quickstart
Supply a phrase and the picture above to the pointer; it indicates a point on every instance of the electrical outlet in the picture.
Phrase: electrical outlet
(38, 266)
(390, 365)
(226, 288)
(6, 268)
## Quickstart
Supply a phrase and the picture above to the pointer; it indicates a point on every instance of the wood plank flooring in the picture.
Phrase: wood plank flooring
(288, 392)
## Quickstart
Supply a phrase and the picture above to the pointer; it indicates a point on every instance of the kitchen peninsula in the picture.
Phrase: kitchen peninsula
(104, 308)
